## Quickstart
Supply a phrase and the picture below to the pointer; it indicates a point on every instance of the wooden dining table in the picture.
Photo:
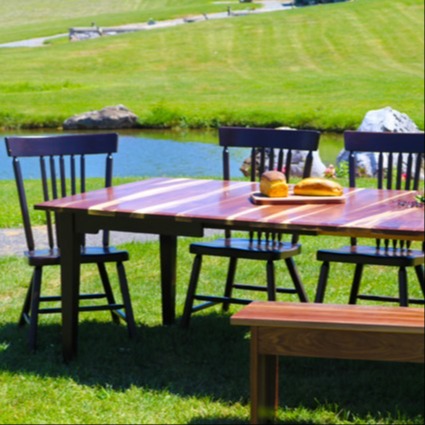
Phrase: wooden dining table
(173, 207)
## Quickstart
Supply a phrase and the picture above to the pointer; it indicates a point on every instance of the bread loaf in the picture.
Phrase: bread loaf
(273, 184)
(316, 186)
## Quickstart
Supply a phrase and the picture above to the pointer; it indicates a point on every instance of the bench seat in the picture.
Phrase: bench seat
(356, 332)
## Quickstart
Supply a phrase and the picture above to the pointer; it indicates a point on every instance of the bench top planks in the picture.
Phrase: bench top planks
(405, 320)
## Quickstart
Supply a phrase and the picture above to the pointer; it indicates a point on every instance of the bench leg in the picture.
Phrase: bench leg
(264, 383)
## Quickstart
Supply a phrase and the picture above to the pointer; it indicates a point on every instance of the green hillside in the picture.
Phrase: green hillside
(321, 66)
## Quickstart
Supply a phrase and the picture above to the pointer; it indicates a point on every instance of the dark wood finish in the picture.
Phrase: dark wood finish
(185, 207)
(268, 149)
(62, 162)
(400, 159)
(326, 331)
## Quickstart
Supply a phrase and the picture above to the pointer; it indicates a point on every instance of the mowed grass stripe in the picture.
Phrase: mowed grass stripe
(322, 67)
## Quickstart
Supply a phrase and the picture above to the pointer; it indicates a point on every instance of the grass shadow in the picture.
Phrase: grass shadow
(211, 359)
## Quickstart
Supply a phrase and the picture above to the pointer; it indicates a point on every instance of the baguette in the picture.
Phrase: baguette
(316, 186)
(273, 184)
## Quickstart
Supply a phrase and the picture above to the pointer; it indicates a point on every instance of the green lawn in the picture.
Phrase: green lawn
(199, 376)
(319, 67)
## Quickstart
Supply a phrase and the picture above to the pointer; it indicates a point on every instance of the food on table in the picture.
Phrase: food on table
(317, 186)
(273, 184)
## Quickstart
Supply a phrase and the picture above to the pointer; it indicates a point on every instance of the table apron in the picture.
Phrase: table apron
(158, 226)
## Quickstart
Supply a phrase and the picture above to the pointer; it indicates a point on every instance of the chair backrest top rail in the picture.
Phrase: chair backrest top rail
(81, 144)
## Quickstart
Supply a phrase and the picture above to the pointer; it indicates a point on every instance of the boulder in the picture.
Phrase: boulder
(110, 117)
(386, 119)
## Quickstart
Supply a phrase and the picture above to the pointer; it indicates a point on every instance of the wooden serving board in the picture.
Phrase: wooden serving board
(259, 199)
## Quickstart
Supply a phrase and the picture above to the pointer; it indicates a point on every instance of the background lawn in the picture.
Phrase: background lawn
(314, 67)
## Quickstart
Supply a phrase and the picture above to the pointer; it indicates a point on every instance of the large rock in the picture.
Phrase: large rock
(111, 117)
(386, 119)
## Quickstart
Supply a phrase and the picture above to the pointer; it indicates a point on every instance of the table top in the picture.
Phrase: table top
(217, 204)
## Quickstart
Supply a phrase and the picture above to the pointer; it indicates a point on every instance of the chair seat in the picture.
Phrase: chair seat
(246, 248)
(92, 254)
(371, 255)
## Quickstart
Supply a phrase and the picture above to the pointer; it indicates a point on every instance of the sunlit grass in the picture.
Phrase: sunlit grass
(200, 375)
(318, 67)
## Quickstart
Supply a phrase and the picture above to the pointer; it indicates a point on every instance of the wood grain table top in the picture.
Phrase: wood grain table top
(215, 203)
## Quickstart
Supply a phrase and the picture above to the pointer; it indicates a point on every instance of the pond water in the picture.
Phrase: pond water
(167, 153)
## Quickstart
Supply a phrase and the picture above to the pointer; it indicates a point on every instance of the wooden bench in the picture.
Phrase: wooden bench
(323, 330)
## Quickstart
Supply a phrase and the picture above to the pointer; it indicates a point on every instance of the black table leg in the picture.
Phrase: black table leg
(69, 244)
(168, 252)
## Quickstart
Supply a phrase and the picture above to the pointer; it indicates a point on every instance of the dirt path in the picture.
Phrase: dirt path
(268, 6)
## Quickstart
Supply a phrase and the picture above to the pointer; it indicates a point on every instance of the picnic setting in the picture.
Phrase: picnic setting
(212, 212)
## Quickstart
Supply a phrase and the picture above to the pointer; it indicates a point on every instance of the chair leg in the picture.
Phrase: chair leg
(420, 274)
(230, 281)
(271, 281)
(193, 283)
(323, 280)
(108, 289)
(25, 313)
(356, 284)
(402, 287)
(125, 293)
(35, 305)
(302, 295)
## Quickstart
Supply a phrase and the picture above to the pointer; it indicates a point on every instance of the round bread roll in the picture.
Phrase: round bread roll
(316, 186)
(273, 184)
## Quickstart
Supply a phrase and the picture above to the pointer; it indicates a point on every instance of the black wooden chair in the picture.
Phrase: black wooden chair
(399, 159)
(269, 149)
(61, 178)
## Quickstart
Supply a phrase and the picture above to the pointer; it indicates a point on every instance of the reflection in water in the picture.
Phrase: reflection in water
(171, 154)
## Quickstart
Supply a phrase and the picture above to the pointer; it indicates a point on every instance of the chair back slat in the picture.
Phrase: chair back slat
(417, 174)
(380, 171)
(53, 181)
(82, 173)
(226, 162)
(62, 175)
(280, 160)
(262, 167)
(400, 159)
(271, 163)
(390, 173)
(23, 204)
(252, 170)
(73, 174)
(399, 174)
(288, 165)
(57, 179)
(308, 164)
(409, 168)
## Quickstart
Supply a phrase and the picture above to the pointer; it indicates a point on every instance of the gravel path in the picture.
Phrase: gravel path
(12, 241)
(268, 6)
